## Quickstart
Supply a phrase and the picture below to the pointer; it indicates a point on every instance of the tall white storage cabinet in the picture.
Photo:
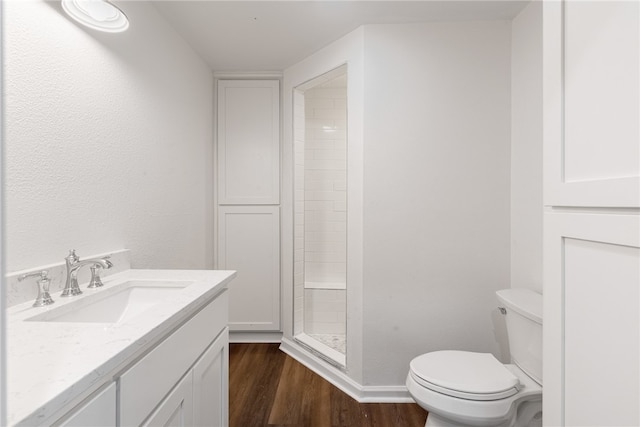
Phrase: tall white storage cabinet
(592, 213)
(248, 194)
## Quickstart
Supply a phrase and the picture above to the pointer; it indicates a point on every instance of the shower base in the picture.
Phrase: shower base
(337, 342)
(322, 350)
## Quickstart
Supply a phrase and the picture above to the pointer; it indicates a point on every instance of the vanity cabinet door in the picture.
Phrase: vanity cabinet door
(211, 384)
(176, 410)
(97, 411)
(147, 382)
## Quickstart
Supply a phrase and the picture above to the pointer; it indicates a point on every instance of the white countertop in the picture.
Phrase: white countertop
(52, 365)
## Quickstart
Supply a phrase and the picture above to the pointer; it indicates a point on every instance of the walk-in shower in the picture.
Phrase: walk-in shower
(320, 235)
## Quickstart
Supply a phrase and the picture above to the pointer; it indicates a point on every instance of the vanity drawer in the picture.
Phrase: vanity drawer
(146, 383)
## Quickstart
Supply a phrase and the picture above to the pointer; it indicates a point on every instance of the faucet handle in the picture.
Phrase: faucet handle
(43, 297)
(42, 274)
(96, 281)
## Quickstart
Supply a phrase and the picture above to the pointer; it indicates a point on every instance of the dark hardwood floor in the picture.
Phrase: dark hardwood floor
(269, 388)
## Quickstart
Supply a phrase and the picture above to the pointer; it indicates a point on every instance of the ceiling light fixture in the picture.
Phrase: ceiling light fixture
(100, 15)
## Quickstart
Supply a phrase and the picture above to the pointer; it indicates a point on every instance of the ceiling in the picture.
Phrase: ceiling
(253, 36)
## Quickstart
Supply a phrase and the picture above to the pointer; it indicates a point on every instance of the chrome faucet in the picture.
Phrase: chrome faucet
(74, 263)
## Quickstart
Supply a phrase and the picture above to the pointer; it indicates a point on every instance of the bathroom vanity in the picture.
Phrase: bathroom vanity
(148, 348)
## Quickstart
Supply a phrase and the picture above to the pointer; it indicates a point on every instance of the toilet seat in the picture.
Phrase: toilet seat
(465, 375)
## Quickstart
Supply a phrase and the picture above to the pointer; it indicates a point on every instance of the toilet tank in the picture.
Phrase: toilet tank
(524, 327)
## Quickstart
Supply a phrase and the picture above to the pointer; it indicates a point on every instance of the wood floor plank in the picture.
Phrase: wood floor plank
(287, 404)
(303, 398)
(253, 380)
(346, 411)
(269, 388)
(317, 402)
(396, 414)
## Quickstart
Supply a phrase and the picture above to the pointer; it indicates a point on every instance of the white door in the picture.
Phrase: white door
(211, 384)
(592, 216)
(592, 319)
(591, 103)
(248, 199)
(248, 142)
(249, 242)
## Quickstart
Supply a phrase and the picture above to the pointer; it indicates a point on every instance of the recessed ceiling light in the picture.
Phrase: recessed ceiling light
(100, 15)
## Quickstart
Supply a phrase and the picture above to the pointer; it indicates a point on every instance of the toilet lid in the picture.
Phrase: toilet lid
(476, 376)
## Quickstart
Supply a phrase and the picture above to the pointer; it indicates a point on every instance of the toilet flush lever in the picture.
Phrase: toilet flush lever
(43, 287)
(503, 310)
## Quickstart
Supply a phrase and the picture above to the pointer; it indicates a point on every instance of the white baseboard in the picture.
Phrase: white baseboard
(385, 394)
(337, 377)
(261, 337)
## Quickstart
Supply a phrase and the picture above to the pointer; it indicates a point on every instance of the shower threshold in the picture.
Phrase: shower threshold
(322, 350)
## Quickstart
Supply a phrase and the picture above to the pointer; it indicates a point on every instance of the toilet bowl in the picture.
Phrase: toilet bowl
(460, 388)
(473, 389)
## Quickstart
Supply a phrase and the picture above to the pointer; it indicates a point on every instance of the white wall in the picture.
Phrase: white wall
(436, 190)
(107, 141)
(526, 148)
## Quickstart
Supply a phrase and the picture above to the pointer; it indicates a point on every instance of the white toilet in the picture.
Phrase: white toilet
(461, 388)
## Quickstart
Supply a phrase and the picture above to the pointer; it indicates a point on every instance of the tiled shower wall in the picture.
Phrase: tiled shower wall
(320, 147)
(325, 311)
(325, 184)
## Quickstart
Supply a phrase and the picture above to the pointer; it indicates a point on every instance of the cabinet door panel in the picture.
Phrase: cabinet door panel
(147, 382)
(211, 384)
(176, 410)
(100, 410)
(592, 103)
(249, 242)
(591, 319)
(248, 142)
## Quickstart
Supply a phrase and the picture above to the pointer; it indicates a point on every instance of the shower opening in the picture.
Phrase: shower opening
(320, 235)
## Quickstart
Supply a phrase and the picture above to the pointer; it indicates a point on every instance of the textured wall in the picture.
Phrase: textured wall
(436, 179)
(107, 142)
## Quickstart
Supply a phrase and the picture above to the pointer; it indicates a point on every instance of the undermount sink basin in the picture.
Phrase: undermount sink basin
(115, 305)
